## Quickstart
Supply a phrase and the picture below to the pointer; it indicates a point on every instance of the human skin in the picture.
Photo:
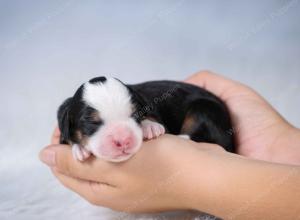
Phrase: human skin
(260, 131)
(173, 173)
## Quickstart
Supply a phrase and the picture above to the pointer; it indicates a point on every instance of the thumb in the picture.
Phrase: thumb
(61, 159)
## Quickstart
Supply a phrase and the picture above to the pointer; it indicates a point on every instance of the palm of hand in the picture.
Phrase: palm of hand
(256, 125)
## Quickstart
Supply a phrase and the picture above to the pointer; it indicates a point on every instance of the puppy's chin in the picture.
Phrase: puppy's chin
(109, 158)
(115, 157)
(109, 153)
(119, 158)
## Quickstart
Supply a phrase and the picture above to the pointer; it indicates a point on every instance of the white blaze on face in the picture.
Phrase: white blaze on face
(110, 98)
(120, 136)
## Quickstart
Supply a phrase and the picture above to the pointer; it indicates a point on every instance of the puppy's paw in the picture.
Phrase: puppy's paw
(152, 129)
(80, 153)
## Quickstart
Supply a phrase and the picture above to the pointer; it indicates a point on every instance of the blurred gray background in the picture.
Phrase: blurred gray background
(48, 48)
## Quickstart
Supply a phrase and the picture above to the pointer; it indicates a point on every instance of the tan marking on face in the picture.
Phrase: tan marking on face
(95, 116)
(82, 139)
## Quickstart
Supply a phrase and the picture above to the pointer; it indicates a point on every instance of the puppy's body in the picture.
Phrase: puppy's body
(185, 109)
(110, 119)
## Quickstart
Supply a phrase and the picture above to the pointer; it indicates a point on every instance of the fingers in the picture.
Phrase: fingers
(214, 83)
(94, 192)
(60, 157)
(55, 136)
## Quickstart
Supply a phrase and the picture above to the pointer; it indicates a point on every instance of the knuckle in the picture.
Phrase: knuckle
(93, 196)
(97, 200)
(204, 73)
(94, 201)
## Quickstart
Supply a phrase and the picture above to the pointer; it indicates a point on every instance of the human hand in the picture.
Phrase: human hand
(260, 132)
(171, 173)
(155, 179)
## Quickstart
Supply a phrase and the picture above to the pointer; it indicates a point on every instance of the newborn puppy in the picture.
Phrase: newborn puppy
(110, 119)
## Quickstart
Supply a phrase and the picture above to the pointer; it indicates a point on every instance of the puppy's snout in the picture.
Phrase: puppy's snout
(117, 141)
(122, 138)
(123, 143)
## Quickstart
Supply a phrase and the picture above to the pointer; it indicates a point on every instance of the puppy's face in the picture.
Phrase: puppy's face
(100, 118)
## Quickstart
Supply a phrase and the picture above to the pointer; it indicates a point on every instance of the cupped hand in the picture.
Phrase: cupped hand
(155, 179)
(260, 131)
(167, 172)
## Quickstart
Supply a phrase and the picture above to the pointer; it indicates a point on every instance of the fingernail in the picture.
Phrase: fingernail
(48, 157)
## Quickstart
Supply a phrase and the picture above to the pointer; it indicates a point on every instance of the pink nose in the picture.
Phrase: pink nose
(123, 144)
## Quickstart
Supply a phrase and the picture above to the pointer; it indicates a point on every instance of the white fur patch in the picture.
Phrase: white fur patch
(113, 102)
(111, 98)
(184, 136)
(97, 144)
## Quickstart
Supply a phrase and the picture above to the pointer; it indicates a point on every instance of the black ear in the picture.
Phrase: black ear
(139, 101)
(64, 121)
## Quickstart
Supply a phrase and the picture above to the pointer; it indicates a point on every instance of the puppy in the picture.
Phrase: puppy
(110, 119)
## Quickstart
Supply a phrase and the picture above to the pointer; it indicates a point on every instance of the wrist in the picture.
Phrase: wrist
(218, 185)
(204, 179)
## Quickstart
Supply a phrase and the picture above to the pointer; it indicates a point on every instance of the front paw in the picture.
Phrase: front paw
(152, 129)
(80, 153)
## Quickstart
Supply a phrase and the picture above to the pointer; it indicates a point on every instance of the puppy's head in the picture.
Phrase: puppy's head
(100, 117)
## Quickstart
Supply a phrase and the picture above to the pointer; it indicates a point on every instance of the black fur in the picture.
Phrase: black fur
(171, 102)
(101, 79)
(64, 121)
(76, 119)
(182, 108)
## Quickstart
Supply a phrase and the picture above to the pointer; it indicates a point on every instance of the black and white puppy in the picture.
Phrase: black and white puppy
(110, 119)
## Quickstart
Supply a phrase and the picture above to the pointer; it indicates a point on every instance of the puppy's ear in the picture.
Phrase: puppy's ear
(64, 121)
(139, 101)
